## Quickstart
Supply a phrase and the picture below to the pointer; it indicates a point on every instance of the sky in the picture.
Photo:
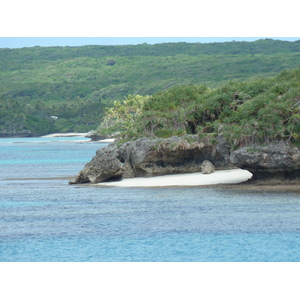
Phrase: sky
(117, 22)
(19, 42)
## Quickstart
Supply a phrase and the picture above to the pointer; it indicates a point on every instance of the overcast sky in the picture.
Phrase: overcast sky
(19, 42)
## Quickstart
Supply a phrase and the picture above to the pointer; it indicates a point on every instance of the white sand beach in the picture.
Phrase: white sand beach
(191, 179)
(64, 134)
(71, 134)
(106, 141)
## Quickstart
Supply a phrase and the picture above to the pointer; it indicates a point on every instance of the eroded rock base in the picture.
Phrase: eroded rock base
(154, 157)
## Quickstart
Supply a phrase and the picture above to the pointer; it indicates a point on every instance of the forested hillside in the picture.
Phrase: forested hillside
(76, 84)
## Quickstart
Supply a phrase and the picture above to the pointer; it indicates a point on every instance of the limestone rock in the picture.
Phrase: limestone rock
(148, 157)
(278, 161)
(103, 167)
(207, 167)
(153, 157)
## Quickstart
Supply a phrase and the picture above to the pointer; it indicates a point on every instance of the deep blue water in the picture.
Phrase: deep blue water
(49, 220)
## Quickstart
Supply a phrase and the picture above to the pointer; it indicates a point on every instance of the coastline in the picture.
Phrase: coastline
(248, 185)
(223, 179)
(237, 179)
(284, 186)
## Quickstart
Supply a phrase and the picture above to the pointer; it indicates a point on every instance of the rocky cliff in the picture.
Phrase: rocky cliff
(275, 161)
(153, 157)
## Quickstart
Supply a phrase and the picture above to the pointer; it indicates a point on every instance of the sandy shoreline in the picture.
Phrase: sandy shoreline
(165, 181)
(63, 135)
(224, 179)
(72, 134)
(233, 176)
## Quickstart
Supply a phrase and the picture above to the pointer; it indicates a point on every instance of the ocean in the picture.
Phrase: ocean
(44, 219)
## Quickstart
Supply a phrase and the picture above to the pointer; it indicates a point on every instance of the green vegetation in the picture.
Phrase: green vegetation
(246, 113)
(121, 117)
(76, 84)
(35, 116)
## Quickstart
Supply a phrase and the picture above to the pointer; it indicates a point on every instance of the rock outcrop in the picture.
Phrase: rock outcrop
(272, 162)
(153, 157)
(188, 154)
(97, 137)
(207, 167)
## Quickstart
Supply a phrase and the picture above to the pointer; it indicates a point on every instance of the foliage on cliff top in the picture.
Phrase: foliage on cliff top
(246, 113)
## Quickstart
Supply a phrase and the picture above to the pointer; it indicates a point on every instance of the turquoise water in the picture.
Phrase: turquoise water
(49, 220)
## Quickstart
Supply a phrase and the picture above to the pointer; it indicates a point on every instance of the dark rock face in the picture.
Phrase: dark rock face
(153, 157)
(103, 167)
(270, 162)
